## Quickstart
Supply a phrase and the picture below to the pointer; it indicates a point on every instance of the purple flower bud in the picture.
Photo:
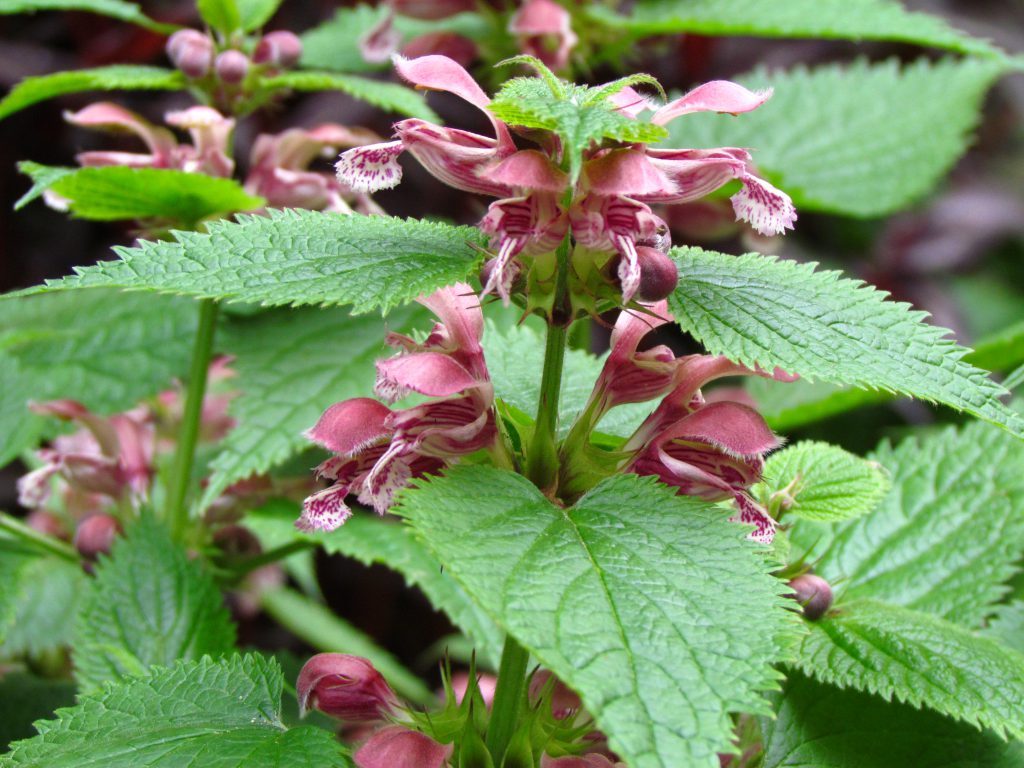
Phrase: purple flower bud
(343, 686)
(95, 535)
(191, 52)
(658, 274)
(282, 49)
(397, 746)
(231, 67)
(813, 593)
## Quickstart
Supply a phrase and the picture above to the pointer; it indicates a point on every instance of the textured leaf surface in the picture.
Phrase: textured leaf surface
(759, 310)
(103, 348)
(843, 19)
(919, 659)
(116, 77)
(223, 714)
(861, 140)
(818, 726)
(297, 257)
(825, 482)
(116, 9)
(945, 537)
(115, 193)
(649, 604)
(50, 589)
(390, 97)
(149, 605)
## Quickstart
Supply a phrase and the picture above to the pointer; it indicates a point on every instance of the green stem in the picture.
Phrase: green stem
(271, 556)
(508, 698)
(37, 539)
(188, 435)
(542, 457)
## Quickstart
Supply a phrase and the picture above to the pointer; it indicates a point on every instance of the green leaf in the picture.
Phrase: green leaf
(114, 193)
(919, 659)
(573, 114)
(221, 15)
(14, 563)
(149, 605)
(297, 257)
(825, 138)
(1008, 625)
(49, 590)
(104, 348)
(650, 605)
(841, 19)
(390, 97)
(818, 726)
(945, 537)
(25, 698)
(220, 714)
(255, 13)
(116, 9)
(116, 77)
(762, 311)
(43, 177)
(824, 482)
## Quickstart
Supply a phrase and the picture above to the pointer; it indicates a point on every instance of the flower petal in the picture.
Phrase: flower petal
(399, 747)
(737, 430)
(430, 373)
(693, 174)
(111, 117)
(351, 426)
(716, 96)
(529, 169)
(750, 512)
(460, 159)
(381, 41)
(325, 510)
(768, 210)
(626, 172)
(372, 167)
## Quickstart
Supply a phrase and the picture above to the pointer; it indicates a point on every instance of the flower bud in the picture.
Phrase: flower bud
(343, 686)
(658, 274)
(231, 67)
(282, 49)
(191, 52)
(813, 593)
(95, 535)
(397, 746)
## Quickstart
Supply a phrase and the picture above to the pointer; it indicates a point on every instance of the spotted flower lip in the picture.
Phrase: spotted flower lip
(610, 211)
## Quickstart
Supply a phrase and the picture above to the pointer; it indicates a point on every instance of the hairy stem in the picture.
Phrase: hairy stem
(188, 435)
(37, 539)
(508, 698)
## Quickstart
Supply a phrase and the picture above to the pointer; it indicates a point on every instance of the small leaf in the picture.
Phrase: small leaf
(919, 659)
(221, 15)
(218, 714)
(762, 311)
(296, 257)
(149, 605)
(255, 13)
(824, 482)
(115, 9)
(818, 726)
(390, 97)
(650, 605)
(116, 77)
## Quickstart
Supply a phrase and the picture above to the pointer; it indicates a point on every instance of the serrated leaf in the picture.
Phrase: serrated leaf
(841, 19)
(25, 698)
(223, 714)
(1008, 625)
(116, 9)
(824, 482)
(149, 605)
(296, 257)
(291, 366)
(114, 193)
(255, 13)
(762, 311)
(221, 15)
(116, 77)
(104, 348)
(390, 97)
(47, 595)
(650, 605)
(818, 726)
(861, 140)
(918, 659)
(945, 537)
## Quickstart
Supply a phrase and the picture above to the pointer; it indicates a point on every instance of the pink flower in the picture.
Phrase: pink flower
(579, 761)
(346, 687)
(379, 450)
(610, 212)
(399, 747)
(543, 30)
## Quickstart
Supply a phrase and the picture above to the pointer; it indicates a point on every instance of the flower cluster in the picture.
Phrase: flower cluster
(379, 450)
(610, 211)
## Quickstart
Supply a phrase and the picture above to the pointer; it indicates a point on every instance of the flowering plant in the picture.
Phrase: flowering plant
(610, 460)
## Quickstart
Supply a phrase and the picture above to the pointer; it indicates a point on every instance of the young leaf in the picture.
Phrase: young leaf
(823, 727)
(49, 590)
(255, 13)
(220, 714)
(650, 605)
(116, 9)
(114, 193)
(841, 19)
(946, 536)
(116, 77)
(221, 15)
(824, 482)
(824, 138)
(918, 659)
(390, 97)
(149, 605)
(105, 348)
(762, 311)
(297, 257)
